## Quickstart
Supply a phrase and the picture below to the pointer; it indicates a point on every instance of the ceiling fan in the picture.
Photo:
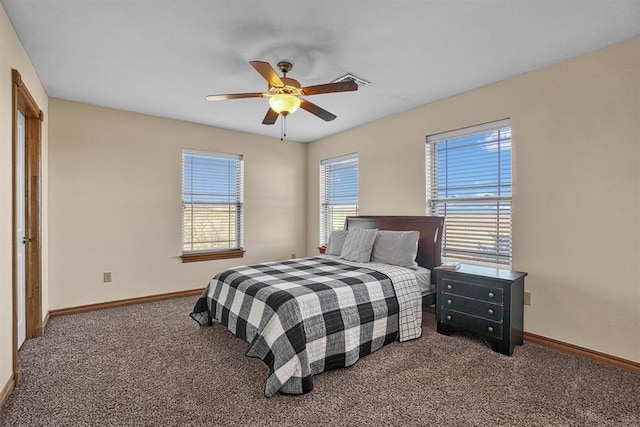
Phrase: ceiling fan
(284, 93)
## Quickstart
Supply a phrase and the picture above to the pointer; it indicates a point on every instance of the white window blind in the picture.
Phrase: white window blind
(469, 183)
(338, 193)
(212, 211)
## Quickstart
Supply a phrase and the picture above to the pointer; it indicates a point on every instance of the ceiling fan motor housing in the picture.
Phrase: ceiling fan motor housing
(291, 87)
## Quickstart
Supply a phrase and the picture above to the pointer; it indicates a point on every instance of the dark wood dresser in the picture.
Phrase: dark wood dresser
(484, 302)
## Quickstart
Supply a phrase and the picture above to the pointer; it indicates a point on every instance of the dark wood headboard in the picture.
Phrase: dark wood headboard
(430, 228)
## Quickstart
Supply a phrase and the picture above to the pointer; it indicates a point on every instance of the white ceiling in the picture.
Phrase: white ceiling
(163, 57)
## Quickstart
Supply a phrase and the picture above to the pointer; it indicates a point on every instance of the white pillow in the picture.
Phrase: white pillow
(396, 248)
(358, 244)
(336, 242)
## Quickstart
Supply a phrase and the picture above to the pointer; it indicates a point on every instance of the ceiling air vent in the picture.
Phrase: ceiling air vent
(352, 77)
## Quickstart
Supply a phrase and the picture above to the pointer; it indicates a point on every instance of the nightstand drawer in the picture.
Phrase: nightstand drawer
(472, 290)
(474, 307)
(485, 327)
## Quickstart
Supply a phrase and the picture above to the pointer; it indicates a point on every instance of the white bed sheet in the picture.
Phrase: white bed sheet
(423, 275)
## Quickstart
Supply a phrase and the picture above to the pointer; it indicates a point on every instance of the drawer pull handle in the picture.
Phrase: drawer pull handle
(491, 295)
(490, 329)
(491, 311)
(448, 317)
(448, 286)
(449, 301)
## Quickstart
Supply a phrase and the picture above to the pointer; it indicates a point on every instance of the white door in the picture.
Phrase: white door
(20, 231)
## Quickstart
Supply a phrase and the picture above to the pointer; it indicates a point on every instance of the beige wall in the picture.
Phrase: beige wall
(115, 192)
(12, 55)
(576, 163)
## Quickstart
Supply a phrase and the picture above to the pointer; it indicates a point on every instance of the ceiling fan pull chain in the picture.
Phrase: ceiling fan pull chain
(283, 128)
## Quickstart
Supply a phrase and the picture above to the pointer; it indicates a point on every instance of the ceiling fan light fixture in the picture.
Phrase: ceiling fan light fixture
(284, 103)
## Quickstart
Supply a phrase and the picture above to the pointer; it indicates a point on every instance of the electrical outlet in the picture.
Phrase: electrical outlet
(106, 276)
(293, 256)
(527, 298)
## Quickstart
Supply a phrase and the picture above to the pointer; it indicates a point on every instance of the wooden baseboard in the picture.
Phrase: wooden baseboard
(123, 302)
(6, 391)
(605, 359)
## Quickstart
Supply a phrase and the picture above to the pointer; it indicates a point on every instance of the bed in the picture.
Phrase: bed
(309, 315)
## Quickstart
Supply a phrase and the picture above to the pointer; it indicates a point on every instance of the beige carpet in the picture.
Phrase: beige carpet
(151, 364)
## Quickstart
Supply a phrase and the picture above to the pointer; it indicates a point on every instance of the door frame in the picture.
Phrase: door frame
(23, 101)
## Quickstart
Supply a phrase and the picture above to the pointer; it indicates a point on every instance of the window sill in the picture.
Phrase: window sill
(209, 256)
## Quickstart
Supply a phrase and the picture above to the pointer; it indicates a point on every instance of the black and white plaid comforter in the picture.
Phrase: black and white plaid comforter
(306, 316)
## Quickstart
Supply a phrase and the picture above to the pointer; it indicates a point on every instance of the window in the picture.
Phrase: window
(469, 183)
(338, 193)
(212, 210)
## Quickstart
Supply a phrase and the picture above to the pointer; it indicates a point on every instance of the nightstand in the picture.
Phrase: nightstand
(483, 302)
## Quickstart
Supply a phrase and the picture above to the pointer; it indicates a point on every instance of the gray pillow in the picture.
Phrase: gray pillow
(396, 248)
(336, 242)
(358, 244)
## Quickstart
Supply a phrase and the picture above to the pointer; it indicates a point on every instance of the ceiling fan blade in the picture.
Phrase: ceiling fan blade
(346, 86)
(235, 96)
(314, 109)
(267, 72)
(270, 118)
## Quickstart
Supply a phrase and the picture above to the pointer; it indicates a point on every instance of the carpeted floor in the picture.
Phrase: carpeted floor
(151, 364)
